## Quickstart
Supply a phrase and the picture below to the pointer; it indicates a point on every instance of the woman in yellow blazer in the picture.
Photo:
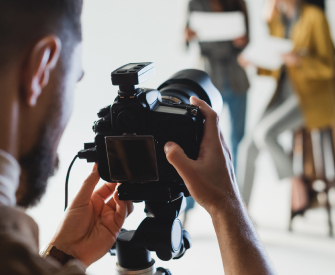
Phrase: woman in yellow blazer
(311, 66)
(305, 92)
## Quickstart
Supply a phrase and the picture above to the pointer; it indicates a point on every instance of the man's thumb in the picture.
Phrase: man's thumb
(176, 156)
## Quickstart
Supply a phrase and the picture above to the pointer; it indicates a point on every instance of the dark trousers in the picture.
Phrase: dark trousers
(237, 104)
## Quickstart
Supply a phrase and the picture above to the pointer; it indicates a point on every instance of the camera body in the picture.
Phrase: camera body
(131, 133)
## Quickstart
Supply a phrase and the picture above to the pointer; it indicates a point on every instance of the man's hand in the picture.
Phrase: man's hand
(210, 178)
(92, 222)
(211, 181)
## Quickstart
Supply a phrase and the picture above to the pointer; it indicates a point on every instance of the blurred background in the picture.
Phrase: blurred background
(119, 32)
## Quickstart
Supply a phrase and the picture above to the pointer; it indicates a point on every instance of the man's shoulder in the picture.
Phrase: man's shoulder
(19, 247)
(13, 217)
(16, 225)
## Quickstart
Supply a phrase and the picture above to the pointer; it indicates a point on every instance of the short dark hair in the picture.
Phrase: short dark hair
(23, 22)
(319, 3)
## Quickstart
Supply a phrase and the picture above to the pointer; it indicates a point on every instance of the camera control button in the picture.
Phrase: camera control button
(104, 112)
(121, 71)
(132, 71)
(192, 109)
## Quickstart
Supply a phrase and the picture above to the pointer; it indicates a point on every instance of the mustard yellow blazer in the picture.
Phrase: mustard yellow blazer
(314, 78)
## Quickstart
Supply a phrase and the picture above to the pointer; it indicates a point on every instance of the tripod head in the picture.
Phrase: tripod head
(160, 232)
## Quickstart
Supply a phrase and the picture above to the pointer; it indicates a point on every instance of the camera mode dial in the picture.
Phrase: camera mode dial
(104, 111)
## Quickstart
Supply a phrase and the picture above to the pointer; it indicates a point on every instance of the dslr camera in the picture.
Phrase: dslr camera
(130, 136)
(131, 133)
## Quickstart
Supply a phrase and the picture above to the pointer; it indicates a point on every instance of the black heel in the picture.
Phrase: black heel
(296, 213)
(311, 200)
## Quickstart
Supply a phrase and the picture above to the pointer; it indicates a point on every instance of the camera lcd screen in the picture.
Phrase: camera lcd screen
(132, 158)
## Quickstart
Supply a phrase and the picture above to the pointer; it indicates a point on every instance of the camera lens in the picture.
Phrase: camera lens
(187, 83)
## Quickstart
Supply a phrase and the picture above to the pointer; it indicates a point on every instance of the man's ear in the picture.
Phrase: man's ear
(41, 60)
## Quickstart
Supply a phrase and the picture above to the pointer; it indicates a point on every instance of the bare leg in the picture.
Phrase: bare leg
(299, 194)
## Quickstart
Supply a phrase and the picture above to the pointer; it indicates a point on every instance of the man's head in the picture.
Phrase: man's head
(39, 67)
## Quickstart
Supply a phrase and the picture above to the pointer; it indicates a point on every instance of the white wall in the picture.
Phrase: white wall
(330, 6)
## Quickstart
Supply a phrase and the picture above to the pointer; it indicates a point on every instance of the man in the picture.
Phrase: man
(40, 51)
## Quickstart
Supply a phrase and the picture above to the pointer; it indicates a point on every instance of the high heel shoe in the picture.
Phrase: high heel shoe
(303, 197)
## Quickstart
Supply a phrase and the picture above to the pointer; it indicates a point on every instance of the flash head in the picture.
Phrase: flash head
(132, 74)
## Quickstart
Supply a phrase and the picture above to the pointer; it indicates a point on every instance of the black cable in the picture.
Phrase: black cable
(67, 182)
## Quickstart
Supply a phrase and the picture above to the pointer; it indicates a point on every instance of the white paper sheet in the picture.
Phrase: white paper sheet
(218, 26)
(267, 52)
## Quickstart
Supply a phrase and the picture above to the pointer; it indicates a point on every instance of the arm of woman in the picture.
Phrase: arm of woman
(269, 11)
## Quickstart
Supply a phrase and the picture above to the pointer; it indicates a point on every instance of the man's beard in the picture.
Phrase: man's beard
(42, 161)
(37, 167)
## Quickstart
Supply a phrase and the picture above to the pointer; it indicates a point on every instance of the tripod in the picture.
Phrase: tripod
(160, 232)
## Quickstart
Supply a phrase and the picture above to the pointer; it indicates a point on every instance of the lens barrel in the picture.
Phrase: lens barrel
(191, 82)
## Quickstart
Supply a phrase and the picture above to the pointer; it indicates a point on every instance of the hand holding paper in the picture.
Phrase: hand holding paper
(267, 52)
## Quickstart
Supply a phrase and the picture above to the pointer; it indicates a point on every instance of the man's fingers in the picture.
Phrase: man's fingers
(106, 190)
(122, 206)
(114, 201)
(84, 195)
(176, 156)
(121, 209)
(211, 129)
(130, 207)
